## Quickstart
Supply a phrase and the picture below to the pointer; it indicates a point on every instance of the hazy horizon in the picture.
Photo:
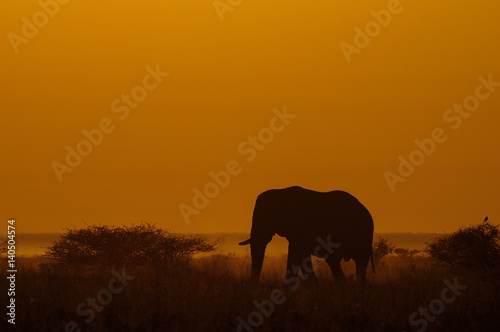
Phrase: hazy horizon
(35, 243)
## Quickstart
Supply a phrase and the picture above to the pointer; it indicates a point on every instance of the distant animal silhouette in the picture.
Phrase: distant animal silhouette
(303, 215)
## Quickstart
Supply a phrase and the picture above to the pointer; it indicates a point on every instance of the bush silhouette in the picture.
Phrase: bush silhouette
(405, 253)
(143, 244)
(382, 247)
(475, 247)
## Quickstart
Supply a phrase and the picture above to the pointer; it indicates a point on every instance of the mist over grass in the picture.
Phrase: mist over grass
(29, 244)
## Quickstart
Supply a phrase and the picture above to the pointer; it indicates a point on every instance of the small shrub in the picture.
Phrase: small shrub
(470, 248)
(406, 253)
(382, 247)
(142, 244)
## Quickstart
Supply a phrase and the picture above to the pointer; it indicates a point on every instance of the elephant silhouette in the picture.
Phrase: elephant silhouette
(303, 216)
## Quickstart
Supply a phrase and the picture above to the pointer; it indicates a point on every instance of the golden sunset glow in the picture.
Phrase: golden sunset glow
(227, 79)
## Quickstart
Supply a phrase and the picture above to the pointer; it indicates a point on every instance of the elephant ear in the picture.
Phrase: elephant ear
(244, 243)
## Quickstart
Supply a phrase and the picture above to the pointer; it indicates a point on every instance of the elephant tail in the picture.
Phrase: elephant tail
(373, 264)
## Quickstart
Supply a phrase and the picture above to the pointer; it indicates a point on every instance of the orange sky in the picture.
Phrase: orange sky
(352, 120)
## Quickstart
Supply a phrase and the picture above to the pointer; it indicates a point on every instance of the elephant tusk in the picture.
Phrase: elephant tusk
(244, 243)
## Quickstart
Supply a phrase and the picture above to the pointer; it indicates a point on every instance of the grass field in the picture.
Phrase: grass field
(212, 293)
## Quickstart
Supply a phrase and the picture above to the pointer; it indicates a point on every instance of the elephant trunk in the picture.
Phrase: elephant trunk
(259, 240)
(257, 250)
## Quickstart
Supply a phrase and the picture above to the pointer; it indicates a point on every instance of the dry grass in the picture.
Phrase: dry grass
(212, 293)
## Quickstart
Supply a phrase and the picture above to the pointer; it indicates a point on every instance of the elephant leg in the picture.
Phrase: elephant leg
(308, 269)
(300, 259)
(337, 272)
(313, 276)
(361, 265)
(293, 261)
